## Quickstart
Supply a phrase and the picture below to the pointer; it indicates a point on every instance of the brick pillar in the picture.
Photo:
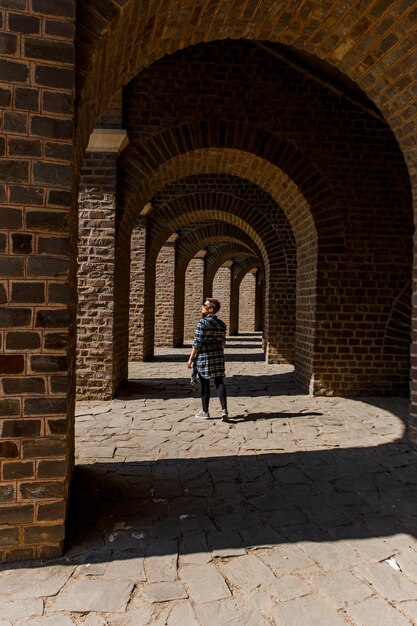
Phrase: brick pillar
(165, 294)
(194, 281)
(96, 241)
(137, 289)
(221, 290)
(259, 301)
(37, 330)
(247, 299)
(234, 301)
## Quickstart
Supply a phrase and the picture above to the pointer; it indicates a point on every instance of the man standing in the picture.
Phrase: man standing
(207, 356)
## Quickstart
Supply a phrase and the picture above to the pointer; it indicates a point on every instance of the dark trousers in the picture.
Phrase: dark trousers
(205, 392)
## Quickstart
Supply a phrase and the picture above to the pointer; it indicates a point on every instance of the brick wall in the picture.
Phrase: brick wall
(36, 427)
(194, 277)
(247, 299)
(221, 291)
(165, 295)
(137, 289)
(96, 246)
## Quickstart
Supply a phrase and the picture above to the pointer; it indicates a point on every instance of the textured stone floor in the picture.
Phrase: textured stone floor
(302, 511)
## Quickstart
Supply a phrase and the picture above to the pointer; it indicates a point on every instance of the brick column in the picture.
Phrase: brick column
(247, 299)
(137, 289)
(194, 281)
(36, 445)
(234, 301)
(259, 301)
(165, 294)
(96, 241)
(221, 290)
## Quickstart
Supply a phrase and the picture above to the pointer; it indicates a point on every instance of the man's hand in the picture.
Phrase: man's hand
(190, 363)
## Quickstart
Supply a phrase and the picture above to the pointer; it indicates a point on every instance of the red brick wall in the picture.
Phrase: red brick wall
(36, 416)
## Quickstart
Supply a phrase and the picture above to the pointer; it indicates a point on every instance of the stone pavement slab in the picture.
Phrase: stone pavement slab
(287, 513)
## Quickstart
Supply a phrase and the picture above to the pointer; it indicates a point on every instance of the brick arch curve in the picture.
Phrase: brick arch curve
(343, 36)
(216, 258)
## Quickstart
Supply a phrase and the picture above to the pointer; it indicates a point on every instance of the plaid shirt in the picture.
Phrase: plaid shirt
(209, 339)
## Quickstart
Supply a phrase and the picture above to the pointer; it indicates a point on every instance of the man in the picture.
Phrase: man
(207, 356)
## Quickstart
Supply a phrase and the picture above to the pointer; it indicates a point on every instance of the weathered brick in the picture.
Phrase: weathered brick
(28, 292)
(21, 428)
(60, 28)
(55, 341)
(22, 244)
(54, 245)
(44, 447)
(38, 490)
(53, 221)
(17, 514)
(17, 386)
(9, 537)
(15, 317)
(57, 426)
(59, 197)
(8, 450)
(21, 23)
(16, 5)
(5, 96)
(48, 363)
(56, 77)
(21, 554)
(3, 242)
(51, 511)
(26, 99)
(59, 384)
(65, 8)
(3, 294)
(59, 293)
(25, 195)
(11, 266)
(18, 469)
(52, 318)
(11, 364)
(7, 494)
(15, 122)
(51, 127)
(56, 102)
(58, 151)
(8, 44)
(47, 267)
(52, 469)
(11, 218)
(44, 406)
(9, 408)
(21, 146)
(14, 171)
(41, 534)
(13, 71)
(52, 173)
(22, 341)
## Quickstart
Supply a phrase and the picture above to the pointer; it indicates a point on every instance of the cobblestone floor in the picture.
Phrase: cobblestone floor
(300, 512)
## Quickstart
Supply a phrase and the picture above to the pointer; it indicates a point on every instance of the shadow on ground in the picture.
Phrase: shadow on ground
(195, 505)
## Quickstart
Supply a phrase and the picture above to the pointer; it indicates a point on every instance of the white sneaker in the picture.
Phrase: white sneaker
(225, 415)
(202, 415)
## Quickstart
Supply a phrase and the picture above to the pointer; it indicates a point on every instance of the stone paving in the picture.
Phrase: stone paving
(301, 511)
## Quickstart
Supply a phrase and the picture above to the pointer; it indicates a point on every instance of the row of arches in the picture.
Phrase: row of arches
(286, 130)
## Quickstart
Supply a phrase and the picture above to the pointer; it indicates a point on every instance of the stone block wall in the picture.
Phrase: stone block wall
(37, 330)
(247, 300)
(165, 295)
(137, 289)
(96, 250)
(194, 280)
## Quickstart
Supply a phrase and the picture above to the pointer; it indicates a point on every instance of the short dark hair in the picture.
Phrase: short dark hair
(214, 304)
